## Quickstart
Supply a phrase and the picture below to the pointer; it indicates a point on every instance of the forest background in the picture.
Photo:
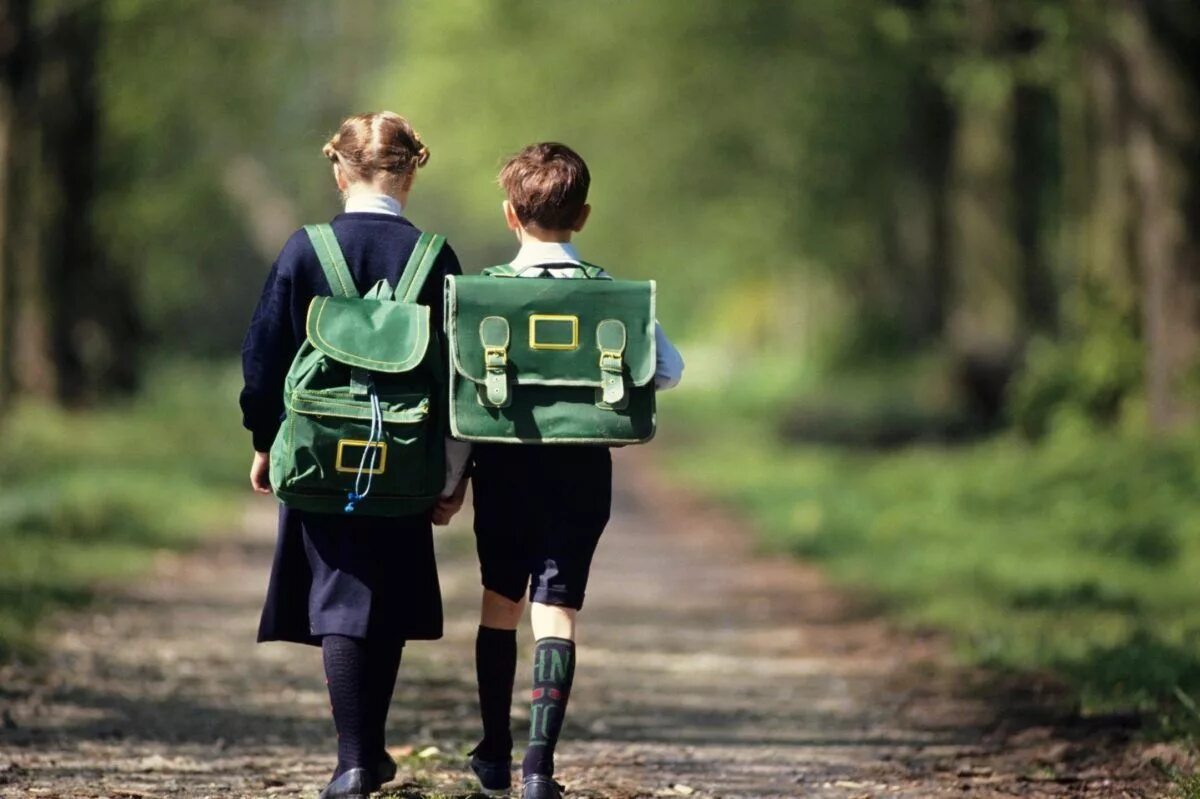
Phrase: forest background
(934, 266)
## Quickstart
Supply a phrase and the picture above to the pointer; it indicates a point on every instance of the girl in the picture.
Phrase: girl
(357, 586)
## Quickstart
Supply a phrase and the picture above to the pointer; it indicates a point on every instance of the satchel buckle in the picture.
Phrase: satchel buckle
(495, 356)
(610, 360)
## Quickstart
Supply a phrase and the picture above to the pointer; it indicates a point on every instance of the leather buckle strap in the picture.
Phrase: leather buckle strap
(610, 338)
(494, 335)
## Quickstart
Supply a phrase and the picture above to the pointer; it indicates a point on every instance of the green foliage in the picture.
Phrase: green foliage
(1077, 555)
(91, 497)
(1091, 375)
(1076, 382)
(844, 174)
(214, 116)
(717, 138)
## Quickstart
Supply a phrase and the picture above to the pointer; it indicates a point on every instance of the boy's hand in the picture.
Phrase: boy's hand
(446, 507)
(260, 469)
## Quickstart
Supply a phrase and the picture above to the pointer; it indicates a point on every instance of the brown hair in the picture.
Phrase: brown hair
(547, 184)
(367, 144)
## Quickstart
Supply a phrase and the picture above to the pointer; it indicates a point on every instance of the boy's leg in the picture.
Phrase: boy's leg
(572, 523)
(495, 671)
(501, 524)
(552, 621)
(553, 675)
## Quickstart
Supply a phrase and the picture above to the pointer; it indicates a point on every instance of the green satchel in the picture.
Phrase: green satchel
(363, 429)
(551, 360)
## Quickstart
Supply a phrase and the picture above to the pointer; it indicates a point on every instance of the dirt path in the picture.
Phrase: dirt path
(703, 671)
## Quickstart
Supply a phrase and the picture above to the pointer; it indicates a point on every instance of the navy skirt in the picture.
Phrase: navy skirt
(361, 576)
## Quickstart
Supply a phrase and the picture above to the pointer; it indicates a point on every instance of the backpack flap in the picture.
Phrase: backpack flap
(505, 334)
(377, 335)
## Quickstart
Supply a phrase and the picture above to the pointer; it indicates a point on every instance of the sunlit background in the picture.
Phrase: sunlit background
(933, 266)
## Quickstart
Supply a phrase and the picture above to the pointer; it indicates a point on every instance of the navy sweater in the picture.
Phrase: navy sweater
(376, 247)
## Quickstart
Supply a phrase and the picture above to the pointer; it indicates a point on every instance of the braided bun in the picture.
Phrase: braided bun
(367, 144)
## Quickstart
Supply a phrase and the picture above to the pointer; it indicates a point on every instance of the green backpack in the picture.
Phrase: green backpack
(364, 427)
(542, 360)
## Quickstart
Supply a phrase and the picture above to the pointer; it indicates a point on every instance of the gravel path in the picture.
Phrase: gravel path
(704, 671)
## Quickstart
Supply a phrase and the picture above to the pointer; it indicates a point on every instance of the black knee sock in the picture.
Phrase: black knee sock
(383, 661)
(553, 672)
(495, 668)
(345, 674)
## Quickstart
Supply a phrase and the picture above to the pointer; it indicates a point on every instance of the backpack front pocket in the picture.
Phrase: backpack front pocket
(333, 443)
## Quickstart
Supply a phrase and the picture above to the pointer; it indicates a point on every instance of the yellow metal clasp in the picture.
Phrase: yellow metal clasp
(610, 359)
(549, 322)
(495, 356)
(356, 448)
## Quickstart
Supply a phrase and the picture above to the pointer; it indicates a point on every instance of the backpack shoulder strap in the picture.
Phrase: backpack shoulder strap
(332, 261)
(503, 270)
(420, 263)
(593, 272)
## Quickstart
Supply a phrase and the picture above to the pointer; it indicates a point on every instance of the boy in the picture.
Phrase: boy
(539, 510)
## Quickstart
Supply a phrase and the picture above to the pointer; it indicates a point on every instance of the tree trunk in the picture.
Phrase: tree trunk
(1161, 128)
(15, 79)
(1033, 171)
(93, 332)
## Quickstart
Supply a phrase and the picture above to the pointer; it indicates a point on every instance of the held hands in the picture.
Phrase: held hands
(446, 507)
(260, 469)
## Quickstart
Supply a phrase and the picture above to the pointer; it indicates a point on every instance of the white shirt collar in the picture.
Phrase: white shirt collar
(373, 204)
(535, 253)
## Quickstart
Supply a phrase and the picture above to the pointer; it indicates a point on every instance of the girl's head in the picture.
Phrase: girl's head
(378, 152)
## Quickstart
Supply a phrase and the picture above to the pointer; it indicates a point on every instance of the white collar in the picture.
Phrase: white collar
(373, 204)
(535, 253)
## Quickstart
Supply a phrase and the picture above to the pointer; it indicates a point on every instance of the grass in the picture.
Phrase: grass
(1078, 555)
(89, 497)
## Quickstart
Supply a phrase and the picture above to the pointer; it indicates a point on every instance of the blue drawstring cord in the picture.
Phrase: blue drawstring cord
(373, 438)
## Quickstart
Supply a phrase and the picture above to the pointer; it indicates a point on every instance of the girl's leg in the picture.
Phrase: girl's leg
(346, 674)
(553, 674)
(495, 670)
(383, 662)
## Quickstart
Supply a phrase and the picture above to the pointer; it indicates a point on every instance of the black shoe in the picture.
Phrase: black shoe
(495, 776)
(385, 769)
(353, 784)
(539, 786)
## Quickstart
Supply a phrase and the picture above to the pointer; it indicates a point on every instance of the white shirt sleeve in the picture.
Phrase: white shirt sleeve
(457, 455)
(668, 369)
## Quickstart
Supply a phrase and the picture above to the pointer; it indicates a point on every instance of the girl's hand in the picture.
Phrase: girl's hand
(260, 469)
(446, 507)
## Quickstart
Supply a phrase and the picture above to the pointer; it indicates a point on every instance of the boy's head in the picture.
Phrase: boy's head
(547, 186)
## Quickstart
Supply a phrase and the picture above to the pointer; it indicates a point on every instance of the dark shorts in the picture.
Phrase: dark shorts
(539, 513)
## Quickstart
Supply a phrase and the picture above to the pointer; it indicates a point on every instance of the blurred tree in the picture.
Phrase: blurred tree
(15, 79)
(853, 179)
(68, 328)
(1163, 85)
(93, 329)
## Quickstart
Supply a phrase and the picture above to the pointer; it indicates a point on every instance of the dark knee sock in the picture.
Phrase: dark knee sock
(345, 674)
(553, 672)
(495, 669)
(383, 661)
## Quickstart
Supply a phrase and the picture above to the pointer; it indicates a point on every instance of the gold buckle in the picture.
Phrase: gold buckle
(612, 355)
(349, 442)
(534, 344)
(495, 352)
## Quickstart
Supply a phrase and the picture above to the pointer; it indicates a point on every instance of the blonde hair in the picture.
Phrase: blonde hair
(368, 144)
